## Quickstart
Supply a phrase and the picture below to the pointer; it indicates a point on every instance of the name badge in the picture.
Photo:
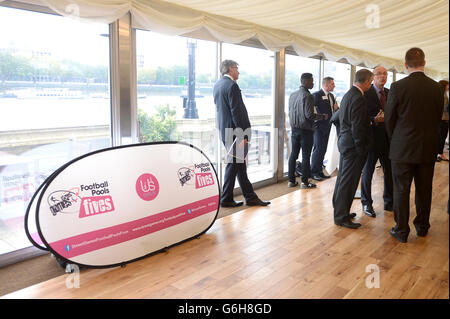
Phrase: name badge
(324, 97)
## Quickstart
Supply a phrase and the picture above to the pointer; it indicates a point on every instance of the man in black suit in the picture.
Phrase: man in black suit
(376, 102)
(412, 115)
(354, 142)
(235, 132)
(325, 103)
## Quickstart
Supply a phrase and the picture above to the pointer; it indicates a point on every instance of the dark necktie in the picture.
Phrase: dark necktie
(330, 101)
(382, 99)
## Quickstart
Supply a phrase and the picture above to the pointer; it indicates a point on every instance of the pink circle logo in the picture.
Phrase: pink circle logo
(147, 187)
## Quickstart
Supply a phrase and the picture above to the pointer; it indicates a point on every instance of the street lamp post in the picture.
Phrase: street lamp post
(190, 111)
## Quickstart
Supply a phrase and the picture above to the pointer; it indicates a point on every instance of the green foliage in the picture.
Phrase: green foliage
(17, 68)
(160, 126)
(12, 67)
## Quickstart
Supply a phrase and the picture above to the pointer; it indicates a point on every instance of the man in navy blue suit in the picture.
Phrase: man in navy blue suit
(325, 103)
(235, 132)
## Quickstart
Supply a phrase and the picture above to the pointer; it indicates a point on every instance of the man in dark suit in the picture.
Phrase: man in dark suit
(376, 102)
(325, 103)
(412, 115)
(354, 142)
(235, 132)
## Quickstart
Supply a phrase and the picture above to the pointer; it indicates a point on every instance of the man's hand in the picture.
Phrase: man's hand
(335, 106)
(380, 117)
(325, 116)
(243, 143)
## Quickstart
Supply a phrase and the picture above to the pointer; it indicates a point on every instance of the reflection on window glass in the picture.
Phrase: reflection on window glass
(255, 82)
(175, 78)
(295, 66)
(54, 102)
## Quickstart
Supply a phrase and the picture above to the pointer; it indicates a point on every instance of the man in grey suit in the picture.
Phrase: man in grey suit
(354, 143)
(235, 132)
(412, 115)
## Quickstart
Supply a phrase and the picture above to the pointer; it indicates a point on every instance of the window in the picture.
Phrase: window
(400, 76)
(255, 81)
(295, 66)
(169, 107)
(363, 67)
(54, 104)
(341, 73)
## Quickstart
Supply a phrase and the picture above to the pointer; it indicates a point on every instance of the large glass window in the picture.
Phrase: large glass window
(175, 78)
(295, 66)
(341, 73)
(54, 105)
(400, 76)
(255, 81)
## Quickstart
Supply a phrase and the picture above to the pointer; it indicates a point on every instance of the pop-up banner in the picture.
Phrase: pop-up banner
(30, 220)
(120, 204)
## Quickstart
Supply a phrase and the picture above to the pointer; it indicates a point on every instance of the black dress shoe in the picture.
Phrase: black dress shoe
(397, 236)
(307, 185)
(231, 204)
(257, 202)
(350, 224)
(421, 233)
(352, 215)
(324, 176)
(317, 178)
(389, 208)
(368, 210)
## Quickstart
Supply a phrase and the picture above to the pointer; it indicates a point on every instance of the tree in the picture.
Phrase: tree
(14, 67)
(161, 126)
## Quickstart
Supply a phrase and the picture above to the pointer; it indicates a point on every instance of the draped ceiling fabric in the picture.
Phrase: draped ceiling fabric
(363, 32)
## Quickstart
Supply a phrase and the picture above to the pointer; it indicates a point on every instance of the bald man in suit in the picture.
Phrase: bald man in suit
(376, 102)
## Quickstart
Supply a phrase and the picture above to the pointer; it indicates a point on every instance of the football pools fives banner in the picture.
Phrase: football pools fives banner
(116, 205)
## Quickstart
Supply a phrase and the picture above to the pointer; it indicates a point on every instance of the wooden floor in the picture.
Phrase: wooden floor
(290, 249)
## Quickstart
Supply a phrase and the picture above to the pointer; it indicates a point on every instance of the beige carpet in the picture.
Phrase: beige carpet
(30, 272)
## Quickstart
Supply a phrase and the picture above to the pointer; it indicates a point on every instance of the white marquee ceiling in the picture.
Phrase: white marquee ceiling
(336, 29)
(402, 24)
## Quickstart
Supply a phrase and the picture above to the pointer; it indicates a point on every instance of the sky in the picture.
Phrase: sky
(63, 36)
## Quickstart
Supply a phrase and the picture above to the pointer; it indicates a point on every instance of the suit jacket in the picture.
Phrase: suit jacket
(323, 107)
(301, 110)
(231, 111)
(412, 115)
(355, 133)
(335, 120)
(380, 139)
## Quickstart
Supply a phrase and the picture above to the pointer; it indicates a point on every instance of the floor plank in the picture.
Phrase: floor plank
(290, 249)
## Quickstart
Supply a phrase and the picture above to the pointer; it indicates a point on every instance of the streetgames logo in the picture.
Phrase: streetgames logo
(64, 201)
(74, 200)
(185, 174)
(200, 173)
